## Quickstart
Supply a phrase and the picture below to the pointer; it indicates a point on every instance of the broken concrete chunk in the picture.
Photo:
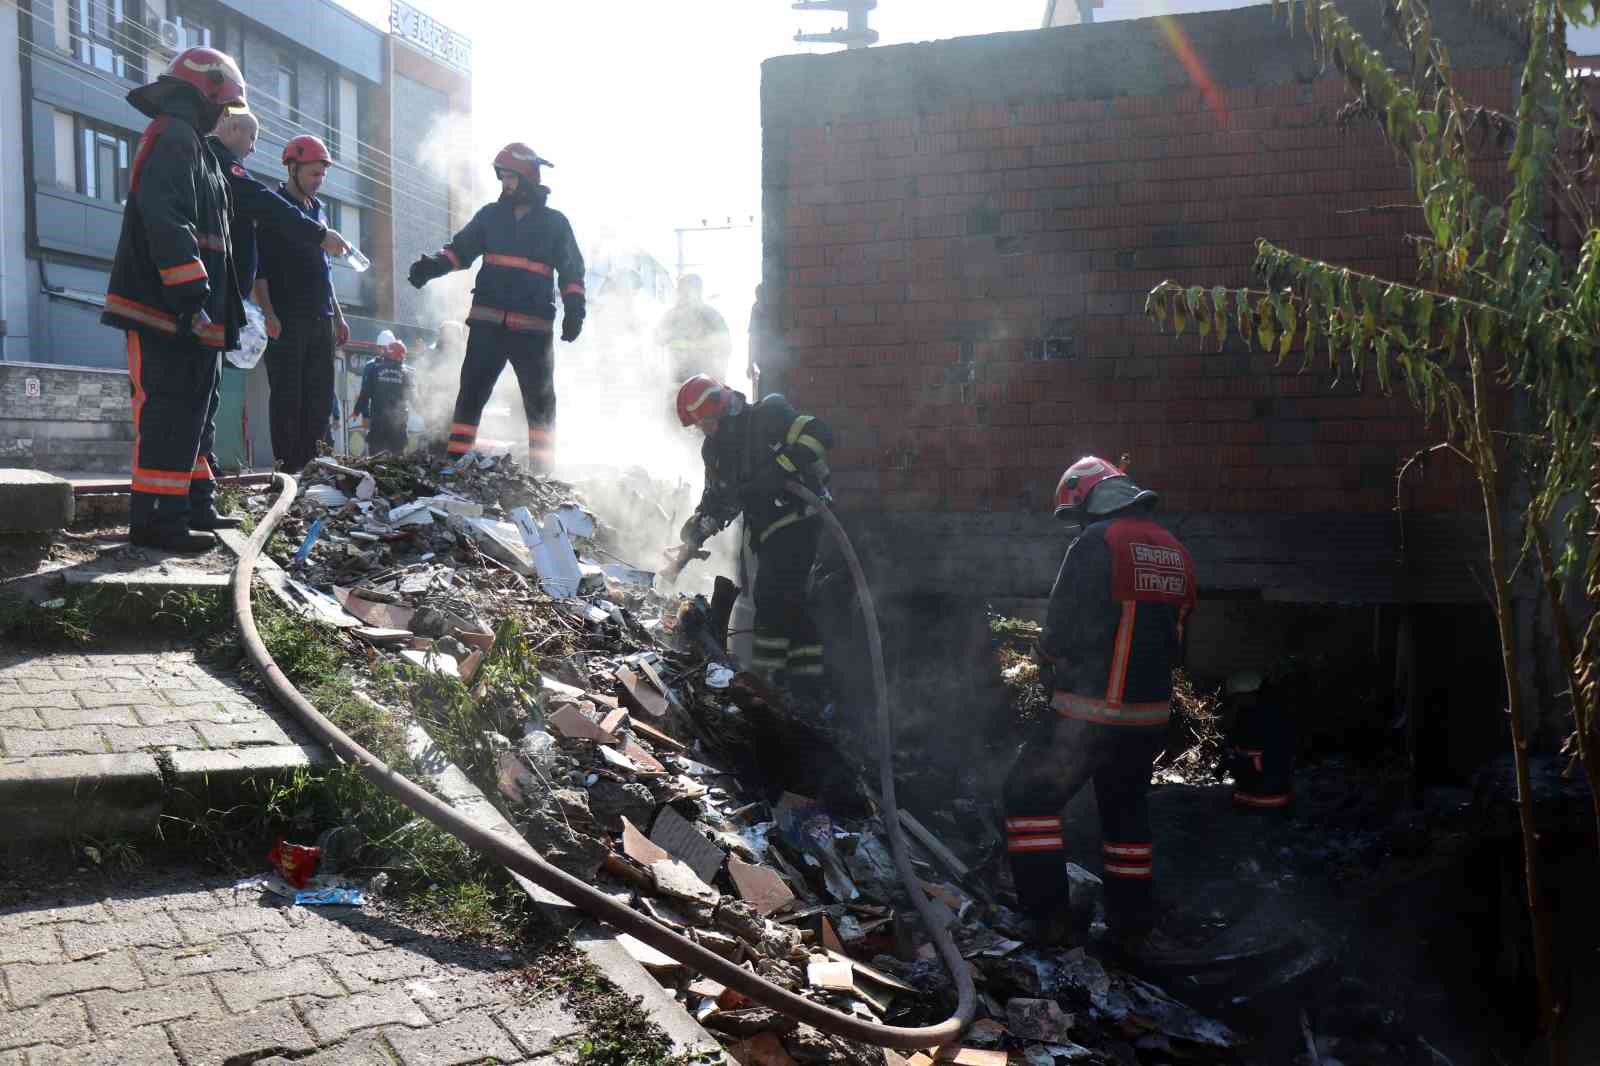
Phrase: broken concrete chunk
(517, 782)
(726, 946)
(639, 695)
(707, 988)
(762, 888)
(611, 801)
(577, 853)
(381, 615)
(647, 956)
(641, 758)
(1039, 1019)
(682, 840)
(750, 1022)
(675, 879)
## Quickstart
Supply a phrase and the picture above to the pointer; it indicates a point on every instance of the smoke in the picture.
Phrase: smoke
(617, 432)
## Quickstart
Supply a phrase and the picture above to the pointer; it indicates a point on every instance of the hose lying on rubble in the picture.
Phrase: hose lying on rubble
(516, 855)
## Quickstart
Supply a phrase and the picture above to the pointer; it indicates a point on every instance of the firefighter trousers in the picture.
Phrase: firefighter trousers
(788, 645)
(203, 485)
(300, 375)
(174, 384)
(531, 356)
(386, 435)
(1052, 767)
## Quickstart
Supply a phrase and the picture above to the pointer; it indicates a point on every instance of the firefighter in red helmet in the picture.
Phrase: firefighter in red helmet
(529, 256)
(294, 288)
(174, 291)
(750, 451)
(1113, 633)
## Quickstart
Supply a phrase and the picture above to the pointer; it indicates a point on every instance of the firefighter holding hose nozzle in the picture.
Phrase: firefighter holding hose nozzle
(750, 452)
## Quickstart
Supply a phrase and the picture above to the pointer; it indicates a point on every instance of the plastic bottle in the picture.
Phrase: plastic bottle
(355, 260)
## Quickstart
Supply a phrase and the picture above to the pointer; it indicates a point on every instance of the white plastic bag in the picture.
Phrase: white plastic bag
(252, 338)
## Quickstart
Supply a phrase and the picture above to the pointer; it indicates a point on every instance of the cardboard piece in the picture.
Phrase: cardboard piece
(379, 615)
(830, 939)
(551, 550)
(683, 841)
(763, 1049)
(640, 848)
(832, 976)
(614, 721)
(969, 1056)
(639, 695)
(575, 720)
(656, 736)
(762, 888)
(642, 758)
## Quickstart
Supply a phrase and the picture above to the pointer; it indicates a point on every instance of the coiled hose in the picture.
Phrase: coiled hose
(516, 855)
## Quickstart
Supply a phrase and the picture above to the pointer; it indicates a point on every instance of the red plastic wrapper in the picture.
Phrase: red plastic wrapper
(297, 863)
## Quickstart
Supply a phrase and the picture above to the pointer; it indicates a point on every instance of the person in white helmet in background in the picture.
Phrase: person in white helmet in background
(388, 391)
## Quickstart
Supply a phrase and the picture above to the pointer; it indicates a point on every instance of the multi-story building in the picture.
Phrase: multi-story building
(67, 138)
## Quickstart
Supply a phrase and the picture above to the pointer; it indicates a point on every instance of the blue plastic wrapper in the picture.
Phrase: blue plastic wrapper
(331, 897)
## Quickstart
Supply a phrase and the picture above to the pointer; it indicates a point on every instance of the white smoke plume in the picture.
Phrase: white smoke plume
(615, 417)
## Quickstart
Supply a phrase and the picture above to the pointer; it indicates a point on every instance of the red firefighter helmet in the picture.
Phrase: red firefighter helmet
(212, 73)
(520, 159)
(306, 149)
(1076, 496)
(702, 396)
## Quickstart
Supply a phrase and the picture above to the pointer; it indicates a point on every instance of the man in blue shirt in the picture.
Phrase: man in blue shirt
(294, 288)
(388, 389)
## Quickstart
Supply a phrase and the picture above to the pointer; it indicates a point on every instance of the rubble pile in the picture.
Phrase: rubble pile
(640, 758)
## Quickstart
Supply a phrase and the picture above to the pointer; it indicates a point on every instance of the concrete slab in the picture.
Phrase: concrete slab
(64, 796)
(33, 501)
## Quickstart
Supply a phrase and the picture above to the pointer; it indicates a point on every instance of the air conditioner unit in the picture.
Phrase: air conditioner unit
(171, 35)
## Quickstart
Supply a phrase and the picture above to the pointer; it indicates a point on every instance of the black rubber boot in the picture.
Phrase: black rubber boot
(185, 541)
(211, 518)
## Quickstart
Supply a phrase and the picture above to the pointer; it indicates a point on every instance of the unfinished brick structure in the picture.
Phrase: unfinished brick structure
(959, 237)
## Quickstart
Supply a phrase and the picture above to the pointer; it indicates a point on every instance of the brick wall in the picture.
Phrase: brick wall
(960, 237)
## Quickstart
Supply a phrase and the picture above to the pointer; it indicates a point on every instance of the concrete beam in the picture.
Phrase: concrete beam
(33, 501)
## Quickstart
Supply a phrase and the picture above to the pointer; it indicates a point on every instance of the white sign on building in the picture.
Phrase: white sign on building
(430, 37)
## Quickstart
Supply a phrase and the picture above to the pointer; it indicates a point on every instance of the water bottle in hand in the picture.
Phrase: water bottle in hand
(355, 260)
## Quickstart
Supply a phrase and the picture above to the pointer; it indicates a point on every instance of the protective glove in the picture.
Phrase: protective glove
(572, 314)
(426, 268)
(697, 530)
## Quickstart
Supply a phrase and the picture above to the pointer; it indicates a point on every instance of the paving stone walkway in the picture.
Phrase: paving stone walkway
(195, 972)
(112, 702)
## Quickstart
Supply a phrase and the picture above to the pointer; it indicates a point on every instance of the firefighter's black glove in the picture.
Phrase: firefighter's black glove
(426, 268)
(572, 312)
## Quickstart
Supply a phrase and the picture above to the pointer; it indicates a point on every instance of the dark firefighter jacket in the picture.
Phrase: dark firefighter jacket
(524, 263)
(257, 206)
(1114, 629)
(751, 456)
(388, 387)
(174, 258)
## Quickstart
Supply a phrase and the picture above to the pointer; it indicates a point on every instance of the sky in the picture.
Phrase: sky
(651, 111)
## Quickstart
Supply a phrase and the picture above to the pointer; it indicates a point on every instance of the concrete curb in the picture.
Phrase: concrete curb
(64, 796)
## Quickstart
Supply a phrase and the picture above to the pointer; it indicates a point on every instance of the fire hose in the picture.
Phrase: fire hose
(517, 856)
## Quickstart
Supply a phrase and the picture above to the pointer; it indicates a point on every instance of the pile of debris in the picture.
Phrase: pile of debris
(641, 759)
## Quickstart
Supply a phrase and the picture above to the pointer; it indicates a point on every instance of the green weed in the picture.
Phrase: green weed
(76, 620)
(303, 649)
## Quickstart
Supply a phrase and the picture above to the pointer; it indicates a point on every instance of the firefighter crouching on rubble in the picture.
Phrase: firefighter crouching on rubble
(174, 290)
(750, 450)
(529, 253)
(1113, 633)
(388, 389)
(294, 288)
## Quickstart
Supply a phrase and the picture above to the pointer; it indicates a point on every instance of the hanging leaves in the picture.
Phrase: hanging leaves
(1266, 328)
(1219, 315)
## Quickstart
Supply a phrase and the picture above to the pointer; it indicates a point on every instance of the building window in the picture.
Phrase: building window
(103, 160)
(285, 88)
(106, 34)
